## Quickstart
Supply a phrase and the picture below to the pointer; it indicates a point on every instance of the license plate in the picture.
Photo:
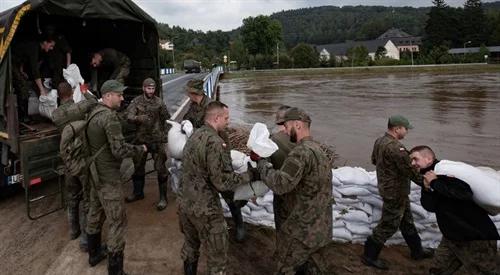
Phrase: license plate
(14, 179)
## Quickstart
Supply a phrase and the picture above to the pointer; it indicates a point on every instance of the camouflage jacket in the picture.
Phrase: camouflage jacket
(285, 146)
(306, 175)
(207, 170)
(70, 111)
(196, 112)
(154, 129)
(394, 169)
(105, 129)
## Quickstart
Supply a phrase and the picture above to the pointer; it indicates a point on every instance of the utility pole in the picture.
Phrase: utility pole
(278, 54)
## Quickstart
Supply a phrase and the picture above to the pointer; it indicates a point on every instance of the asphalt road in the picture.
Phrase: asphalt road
(174, 89)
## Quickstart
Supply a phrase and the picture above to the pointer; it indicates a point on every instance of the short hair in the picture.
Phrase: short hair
(214, 108)
(64, 90)
(46, 37)
(423, 149)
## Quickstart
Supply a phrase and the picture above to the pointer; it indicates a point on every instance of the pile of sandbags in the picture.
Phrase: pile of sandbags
(357, 210)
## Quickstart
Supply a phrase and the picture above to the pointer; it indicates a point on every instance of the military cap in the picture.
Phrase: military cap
(195, 86)
(280, 115)
(296, 114)
(112, 86)
(399, 120)
(148, 82)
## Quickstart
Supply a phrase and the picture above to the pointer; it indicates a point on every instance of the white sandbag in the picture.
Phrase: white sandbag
(250, 190)
(265, 199)
(336, 193)
(486, 189)
(356, 216)
(253, 206)
(353, 191)
(176, 140)
(358, 228)
(365, 207)
(187, 127)
(490, 172)
(75, 79)
(48, 103)
(352, 175)
(259, 141)
(375, 201)
(338, 224)
(239, 161)
(245, 210)
(418, 211)
(335, 181)
(342, 234)
(269, 208)
(33, 103)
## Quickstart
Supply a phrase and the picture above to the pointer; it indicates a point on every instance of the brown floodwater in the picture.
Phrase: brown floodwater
(458, 115)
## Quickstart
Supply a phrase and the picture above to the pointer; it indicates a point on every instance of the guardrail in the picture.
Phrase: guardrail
(165, 71)
(211, 81)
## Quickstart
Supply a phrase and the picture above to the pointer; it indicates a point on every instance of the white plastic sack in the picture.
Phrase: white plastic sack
(176, 140)
(74, 78)
(259, 141)
(486, 189)
(48, 103)
(187, 127)
(33, 103)
(352, 175)
(251, 190)
(239, 161)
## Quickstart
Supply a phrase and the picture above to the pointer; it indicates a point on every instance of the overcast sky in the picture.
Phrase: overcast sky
(228, 14)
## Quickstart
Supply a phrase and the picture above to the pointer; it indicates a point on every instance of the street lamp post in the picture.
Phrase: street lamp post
(465, 44)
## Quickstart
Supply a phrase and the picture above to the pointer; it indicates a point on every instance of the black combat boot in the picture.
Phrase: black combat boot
(96, 251)
(115, 263)
(84, 245)
(138, 194)
(74, 221)
(415, 245)
(238, 221)
(162, 188)
(190, 267)
(370, 255)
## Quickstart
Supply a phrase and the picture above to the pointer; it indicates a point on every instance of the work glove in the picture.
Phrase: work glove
(254, 156)
(253, 172)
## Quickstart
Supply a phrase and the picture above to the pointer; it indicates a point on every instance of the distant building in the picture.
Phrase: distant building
(324, 55)
(403, 41)
(339, 51)
(494, 55)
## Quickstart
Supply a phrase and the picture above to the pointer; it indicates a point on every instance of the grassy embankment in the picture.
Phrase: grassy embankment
(447, 69)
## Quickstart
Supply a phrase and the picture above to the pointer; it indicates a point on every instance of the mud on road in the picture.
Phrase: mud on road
(153, 244)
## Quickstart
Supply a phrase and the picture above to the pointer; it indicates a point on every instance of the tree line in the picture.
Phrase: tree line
(284, 39)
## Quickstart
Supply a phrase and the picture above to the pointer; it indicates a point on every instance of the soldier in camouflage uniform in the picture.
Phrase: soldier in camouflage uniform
(394, 172)
(281, 202)
(109, 64)
(306, 177)
(469, 234)
(69, 111)
(195, 114)
(150, 114)
(108, 148)
(207, 170)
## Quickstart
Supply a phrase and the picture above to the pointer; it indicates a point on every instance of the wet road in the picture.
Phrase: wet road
(173, 89)
(456, 114)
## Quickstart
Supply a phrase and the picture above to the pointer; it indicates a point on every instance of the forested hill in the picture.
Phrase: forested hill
(330, 24)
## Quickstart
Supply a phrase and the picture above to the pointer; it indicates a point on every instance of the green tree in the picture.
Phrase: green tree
(261, 34)
(239, 53)
(358, 56)
(439, 55)
(442, 26)
(474, 23)
(304, 56)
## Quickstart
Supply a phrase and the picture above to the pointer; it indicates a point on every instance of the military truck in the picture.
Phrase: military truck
(29, 154)
(192, 66)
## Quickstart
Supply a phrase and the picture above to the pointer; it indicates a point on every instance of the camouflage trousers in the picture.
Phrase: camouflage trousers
(476, 257)
(212, 232)
(106, 202)
(396, 214)
(281, 211)
(122, 72)
(78, 196)
(159, 159)
(291, 254)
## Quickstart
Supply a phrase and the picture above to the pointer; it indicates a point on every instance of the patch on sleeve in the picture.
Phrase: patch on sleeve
(291, 167)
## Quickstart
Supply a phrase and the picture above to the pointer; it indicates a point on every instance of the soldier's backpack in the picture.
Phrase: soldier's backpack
(74, 149)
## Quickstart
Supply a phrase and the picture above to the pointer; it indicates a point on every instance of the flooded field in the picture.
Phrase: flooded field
(456, 114)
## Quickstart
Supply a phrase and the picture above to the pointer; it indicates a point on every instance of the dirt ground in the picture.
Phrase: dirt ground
(153, 244)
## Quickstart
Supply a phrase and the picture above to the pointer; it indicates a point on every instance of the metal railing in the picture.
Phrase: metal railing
(211, 81)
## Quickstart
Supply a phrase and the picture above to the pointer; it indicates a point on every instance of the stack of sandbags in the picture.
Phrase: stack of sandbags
(357, 210)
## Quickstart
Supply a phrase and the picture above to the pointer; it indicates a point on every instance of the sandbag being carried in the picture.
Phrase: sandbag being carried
(177, 138)
(259, 141)
(48, 103)
(486, 189)
(251, 190)
(75, 79)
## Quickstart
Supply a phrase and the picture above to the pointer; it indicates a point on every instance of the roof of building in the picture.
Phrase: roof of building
(492, 49)
(393, 33)
(342, 48)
